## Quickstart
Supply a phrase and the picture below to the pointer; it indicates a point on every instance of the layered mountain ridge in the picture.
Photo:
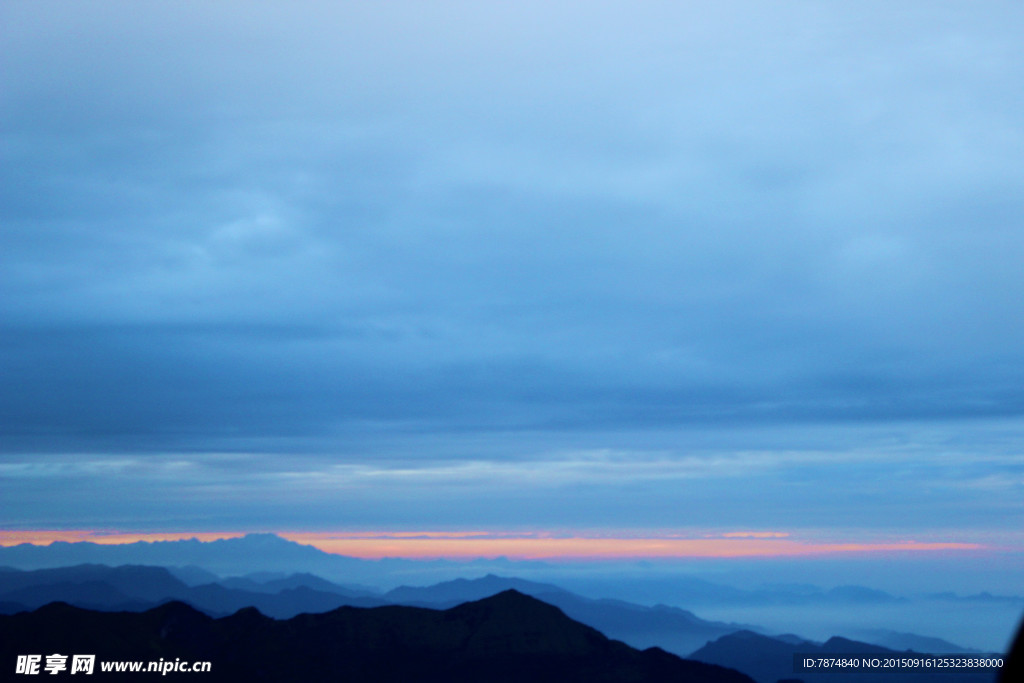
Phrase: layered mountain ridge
(507, 637)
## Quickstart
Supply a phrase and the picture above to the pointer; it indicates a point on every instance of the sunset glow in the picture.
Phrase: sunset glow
(534, 545)
(577, 547)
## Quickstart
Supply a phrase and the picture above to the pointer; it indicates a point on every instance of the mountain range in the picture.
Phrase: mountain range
(674, 629)
(134, 588)
(266, 553)
(258, 552)
(137, 588)
(504, 638)
(284, 585)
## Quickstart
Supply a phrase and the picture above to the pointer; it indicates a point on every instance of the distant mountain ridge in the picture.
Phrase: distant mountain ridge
(674, 629)
(895, 640)
(268, 552)
(507, 637)
(462, 590)
(256, 552)
(327, 581)
(697, 592)
(135, 588)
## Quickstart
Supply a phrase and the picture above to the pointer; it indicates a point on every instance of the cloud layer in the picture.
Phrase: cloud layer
(325, 239)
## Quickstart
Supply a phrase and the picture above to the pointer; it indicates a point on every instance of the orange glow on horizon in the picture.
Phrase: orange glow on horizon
(547, 548)
(525, 546)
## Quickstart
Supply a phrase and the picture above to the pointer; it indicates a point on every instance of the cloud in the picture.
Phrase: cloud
(869, 481)
(411, 248)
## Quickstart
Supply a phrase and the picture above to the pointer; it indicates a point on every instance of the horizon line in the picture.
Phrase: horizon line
(469, 545)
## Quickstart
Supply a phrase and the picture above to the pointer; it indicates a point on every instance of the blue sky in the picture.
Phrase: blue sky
(577, 266)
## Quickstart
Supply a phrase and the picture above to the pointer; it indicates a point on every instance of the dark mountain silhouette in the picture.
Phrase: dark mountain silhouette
(761, 657)
(676, 630)
(767, 659)
(136, 588)
(507, 637)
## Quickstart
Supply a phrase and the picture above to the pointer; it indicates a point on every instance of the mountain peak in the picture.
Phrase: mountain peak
(510, 597)
(513, 601)
(504, 638)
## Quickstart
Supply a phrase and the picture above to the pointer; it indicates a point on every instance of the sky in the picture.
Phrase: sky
(591, 269)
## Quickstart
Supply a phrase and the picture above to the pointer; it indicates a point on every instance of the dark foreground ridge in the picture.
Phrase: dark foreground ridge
(504, 638)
